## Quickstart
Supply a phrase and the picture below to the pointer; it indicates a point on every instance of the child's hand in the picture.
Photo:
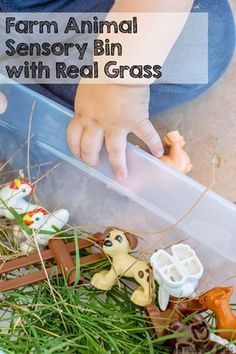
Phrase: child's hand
(111, 112)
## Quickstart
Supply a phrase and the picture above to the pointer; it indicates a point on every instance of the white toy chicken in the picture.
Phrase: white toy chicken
(44, 226)
(13, 195)
(177, 274)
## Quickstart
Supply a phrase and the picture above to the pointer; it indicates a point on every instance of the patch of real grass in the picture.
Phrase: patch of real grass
(77, 319)
(96, 322)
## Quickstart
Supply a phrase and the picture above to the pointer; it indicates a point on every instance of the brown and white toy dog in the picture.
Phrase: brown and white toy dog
(117, 245)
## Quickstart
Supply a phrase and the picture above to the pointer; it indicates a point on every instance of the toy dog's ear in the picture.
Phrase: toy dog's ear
(106, 232)
(133, 240)
(100, 236)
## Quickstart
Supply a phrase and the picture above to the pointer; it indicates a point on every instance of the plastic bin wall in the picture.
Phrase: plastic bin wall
(153, 198)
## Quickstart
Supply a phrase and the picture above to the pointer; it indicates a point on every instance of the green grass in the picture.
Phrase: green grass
(52, 317)
(73, 319)
(94, 321)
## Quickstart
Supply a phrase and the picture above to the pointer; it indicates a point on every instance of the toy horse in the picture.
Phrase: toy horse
(198, 338)
(117, 245)
(177, 156)
(217, 300)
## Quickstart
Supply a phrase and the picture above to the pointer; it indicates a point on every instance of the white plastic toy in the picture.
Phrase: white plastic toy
(44, 226)
(223, 342)
(177, 274)
(13, 195)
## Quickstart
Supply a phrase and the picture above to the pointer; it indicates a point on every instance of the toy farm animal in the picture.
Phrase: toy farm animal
(198, 338)
(197, 335)
(43, 225)
(217, 300)
(177, 274)
(177, 310)
(13, 195)
(177, 156)
(117, 245)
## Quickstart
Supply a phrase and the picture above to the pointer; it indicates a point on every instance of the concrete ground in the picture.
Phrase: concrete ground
(209, 126)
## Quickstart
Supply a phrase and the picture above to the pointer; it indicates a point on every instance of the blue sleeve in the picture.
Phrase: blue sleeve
(55, 5)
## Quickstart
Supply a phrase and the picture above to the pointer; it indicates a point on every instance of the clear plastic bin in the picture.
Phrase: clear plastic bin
(153, 198)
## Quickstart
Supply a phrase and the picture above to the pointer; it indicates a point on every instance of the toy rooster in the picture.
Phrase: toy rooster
(43, 225)
(177, 156)
(13, 196)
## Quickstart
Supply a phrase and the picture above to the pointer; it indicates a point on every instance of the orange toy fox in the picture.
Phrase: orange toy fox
(217, 300)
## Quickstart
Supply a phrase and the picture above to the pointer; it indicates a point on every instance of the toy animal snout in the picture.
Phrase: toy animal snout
(214, 297)
(117, 241)
(108, 243)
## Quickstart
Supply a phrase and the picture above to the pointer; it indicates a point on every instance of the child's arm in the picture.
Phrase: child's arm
(112, 111)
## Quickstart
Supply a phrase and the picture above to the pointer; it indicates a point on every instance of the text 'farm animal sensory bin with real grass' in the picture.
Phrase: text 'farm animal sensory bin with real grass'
(63, 286)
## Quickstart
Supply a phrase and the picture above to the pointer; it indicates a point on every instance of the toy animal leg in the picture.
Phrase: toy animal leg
(42, 239)
(2, 210)
(189, 168)
(228, 333)
(141, 298)
(104, 280)
(144, 295)
(18, 235)
(27, 248)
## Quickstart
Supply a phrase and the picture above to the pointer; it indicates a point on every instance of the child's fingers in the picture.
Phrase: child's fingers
(116, 142)
(74, 133)
(3, 103)
(91, 144)
(148, 134)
